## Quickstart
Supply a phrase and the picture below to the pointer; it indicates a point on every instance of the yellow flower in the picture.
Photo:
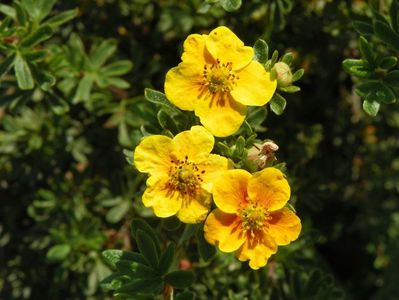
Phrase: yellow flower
(181, 171)
(251, 218)
(217, 79)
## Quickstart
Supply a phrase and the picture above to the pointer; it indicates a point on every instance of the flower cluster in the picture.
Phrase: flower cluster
(217, 79)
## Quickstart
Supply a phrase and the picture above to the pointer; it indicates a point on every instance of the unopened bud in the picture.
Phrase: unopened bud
(283, 74)
(262, 154)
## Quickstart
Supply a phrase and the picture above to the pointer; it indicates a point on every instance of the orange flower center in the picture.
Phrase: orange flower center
(253, 216)
(219, 77)
(185, 177)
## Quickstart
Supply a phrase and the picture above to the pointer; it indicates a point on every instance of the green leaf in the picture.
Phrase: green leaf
(58, 105)
(298, 75)
(23, 73)
(394, 15)
(239, 146)
(180, 279)
(36, 55)
(38, 9)
(231, 5)
(159, 98)
(350, 63)
(147, 248)
(188, 232)
(84, 89)
(224, 149)
(112, 256)
(204, 8)
(363, 28)
(18, 103)
(20, 14)
(166, 121)
(167, 259)
(375, 91)
(366, 51)
(8, 11)
(43, 78)
(6, 65)
(62, 18)
(290, 89)
(145, 272)
(256, 116)
(4, 24)
(273, 74)
(118, 82)
(386, 34)
(126, 267)
(277, 104)
(206, 250)
(377, 15)
(186, 295)
(365, 88)
(58, 252)
(41, 34)
(357, 67)
(261, 51)
(385, 94)
(101, 53)
(142, 225)
(392, 78)
(287, 58)
(281, 166)
(115, 214)
(129, 156)
(371, 107)
(112, 282)
(145, 286)
(270, 63)
(117, 68)
(361, 72)
(388, 62)
(171, 223)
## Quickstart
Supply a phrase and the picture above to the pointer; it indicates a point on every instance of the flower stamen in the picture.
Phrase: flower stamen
(184, 177)
(253, 217)
(219, 77)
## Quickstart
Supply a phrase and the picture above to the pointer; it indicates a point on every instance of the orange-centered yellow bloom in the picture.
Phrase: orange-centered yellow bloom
(217, 79)
(181, 171)
(251, 218)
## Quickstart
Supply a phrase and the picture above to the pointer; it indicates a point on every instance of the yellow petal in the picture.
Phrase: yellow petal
(230, 190)
(195, 51)
(270, 188)
(254, 86)
(195, 143)
(212, 168)
(195, 210)
(224, 45)
(221, 115)
(183, 84)
(224, 231)
(153, 154)
(284, 226)
(165, 203)
(257, 250)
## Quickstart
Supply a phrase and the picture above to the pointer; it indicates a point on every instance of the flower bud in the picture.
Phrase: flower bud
(283, 74)
(262, 154)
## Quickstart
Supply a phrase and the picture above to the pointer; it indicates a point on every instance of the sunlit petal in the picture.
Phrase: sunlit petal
(254, 86)
(224, 231)
(284, 226)
(153, 154)
(270, 188)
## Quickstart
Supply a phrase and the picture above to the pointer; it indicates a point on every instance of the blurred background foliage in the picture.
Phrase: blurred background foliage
(73, 75)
